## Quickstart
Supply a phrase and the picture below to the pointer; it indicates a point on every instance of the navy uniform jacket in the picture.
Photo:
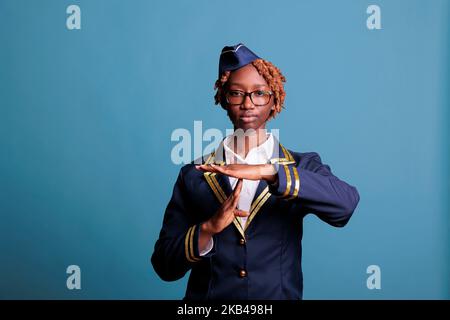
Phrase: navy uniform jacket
(263, 259)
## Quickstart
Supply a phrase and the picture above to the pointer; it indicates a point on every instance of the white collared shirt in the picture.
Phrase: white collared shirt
(257, 155)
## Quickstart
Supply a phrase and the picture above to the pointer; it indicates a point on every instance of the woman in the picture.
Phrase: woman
(235, 220)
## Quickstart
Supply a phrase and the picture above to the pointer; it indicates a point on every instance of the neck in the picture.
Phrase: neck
(244, 141)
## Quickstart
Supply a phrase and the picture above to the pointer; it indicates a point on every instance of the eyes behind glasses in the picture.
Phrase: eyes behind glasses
(258, 97)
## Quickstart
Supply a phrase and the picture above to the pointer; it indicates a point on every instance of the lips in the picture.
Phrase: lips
(248, 118)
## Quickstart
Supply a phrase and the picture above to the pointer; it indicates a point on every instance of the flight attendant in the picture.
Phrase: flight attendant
(235, 218)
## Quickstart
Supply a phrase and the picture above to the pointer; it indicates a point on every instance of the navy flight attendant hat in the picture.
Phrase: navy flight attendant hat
(235, 57)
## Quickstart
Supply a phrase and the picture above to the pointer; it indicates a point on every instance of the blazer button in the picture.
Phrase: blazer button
(241, 241)
(242, 273)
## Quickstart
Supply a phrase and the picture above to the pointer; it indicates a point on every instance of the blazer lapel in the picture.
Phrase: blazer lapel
(221, 187)
(279, 156)
(220, 184)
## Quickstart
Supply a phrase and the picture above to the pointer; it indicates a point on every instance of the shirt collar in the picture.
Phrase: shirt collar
(257, 155)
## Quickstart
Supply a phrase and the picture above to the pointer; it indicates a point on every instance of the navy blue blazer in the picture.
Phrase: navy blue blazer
(261, 260)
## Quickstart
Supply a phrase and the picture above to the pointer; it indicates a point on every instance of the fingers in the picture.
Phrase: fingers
(238, 188)
(210, 168)
(225, 169)
(202, 167)
(239, 171)
(236, 194)
(240, 213)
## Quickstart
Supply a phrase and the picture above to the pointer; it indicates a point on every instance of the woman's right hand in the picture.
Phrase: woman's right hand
(222, 218)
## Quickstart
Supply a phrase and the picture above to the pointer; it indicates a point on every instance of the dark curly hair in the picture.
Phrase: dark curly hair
(269, 72)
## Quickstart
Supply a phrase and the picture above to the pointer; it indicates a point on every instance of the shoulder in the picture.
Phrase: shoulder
(309, 160)
(304, 156)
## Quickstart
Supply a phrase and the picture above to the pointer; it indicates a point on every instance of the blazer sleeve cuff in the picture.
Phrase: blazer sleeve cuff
(191, 245)
(288, 184)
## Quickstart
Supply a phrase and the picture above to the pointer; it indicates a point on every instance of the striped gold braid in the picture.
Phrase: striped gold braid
(297, 183)
(188, 245)
(257, 204)
(218, 191)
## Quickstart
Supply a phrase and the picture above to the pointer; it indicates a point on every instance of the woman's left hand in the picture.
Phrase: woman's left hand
(265, 172)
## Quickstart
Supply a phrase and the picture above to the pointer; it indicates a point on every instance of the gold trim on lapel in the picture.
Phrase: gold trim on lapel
(257, 204)
(290, 158)
(260, 199)
(287, 155)
(218, 191)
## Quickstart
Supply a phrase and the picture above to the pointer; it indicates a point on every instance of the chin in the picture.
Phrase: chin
(247, 126)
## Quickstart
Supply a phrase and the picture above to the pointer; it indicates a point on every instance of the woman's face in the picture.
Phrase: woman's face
(247, 115)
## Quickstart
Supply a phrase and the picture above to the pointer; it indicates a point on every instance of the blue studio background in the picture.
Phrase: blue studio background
(86, 118)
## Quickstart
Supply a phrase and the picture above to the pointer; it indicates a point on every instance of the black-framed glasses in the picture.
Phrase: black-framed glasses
(258, 97)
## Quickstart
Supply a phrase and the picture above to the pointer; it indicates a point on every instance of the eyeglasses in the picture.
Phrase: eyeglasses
(258, 97)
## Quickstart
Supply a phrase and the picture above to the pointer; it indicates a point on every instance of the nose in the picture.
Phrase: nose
(248, 104)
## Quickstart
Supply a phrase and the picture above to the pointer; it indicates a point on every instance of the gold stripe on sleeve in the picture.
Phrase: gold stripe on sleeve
(186, 246)
(297, 183)
(288, 181)
(191, 244)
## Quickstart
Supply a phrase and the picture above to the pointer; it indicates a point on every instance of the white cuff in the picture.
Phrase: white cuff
(208, 248)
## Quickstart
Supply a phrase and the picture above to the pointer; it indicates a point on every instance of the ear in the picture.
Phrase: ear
(275, 102)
